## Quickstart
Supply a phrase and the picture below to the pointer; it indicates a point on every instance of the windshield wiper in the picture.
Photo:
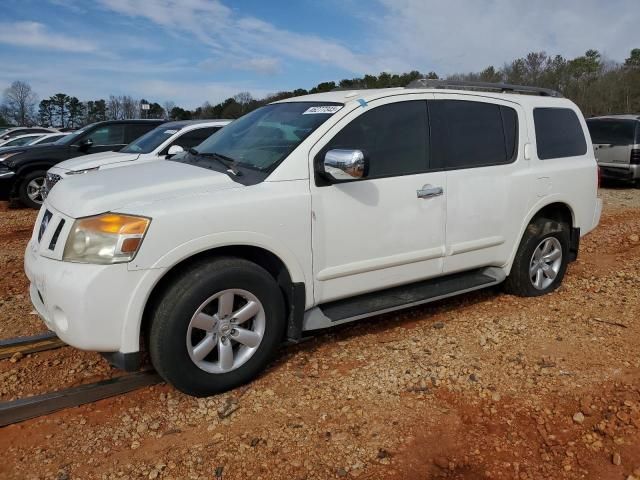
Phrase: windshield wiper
(227, 162)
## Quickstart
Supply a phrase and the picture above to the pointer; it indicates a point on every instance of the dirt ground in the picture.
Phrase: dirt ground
(481, 386)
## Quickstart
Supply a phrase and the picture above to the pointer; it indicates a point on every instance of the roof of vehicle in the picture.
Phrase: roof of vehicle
(35, 134)
(368, 95)
(55, 134)
(187, 123)
(134, 120)
(624, 116)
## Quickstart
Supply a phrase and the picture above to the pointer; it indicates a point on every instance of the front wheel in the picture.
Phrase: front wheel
(217, 326)
(31, 188)
(541, 260)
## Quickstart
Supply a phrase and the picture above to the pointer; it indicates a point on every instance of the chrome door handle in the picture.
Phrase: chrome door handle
(429, 191)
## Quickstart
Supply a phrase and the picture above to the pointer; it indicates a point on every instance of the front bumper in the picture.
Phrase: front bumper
(620, 172)
(7, 180)
(86, 305)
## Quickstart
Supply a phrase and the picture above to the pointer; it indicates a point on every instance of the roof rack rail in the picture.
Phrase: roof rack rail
(503, 87)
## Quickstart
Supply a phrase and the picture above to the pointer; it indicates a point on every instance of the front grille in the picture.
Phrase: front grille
(50, 180)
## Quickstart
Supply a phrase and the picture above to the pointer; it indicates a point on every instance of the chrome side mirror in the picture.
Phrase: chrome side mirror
(343, 165)
(173, 149)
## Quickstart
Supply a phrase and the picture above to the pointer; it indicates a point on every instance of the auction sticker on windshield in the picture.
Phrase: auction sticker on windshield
(322, 109)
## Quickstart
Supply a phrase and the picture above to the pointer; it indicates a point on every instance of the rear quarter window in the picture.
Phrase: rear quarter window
(558, 133)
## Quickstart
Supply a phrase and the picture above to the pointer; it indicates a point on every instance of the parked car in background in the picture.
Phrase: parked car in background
(309, 213)
(23, 169)
(15, 131)
(162, 142)
(616, 141)
(21, 140)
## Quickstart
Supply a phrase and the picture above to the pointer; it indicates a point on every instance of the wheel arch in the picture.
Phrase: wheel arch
(26, 169)
(555, 209)
(294, 292)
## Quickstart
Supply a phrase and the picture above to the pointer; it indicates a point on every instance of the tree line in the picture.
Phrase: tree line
(597, 85)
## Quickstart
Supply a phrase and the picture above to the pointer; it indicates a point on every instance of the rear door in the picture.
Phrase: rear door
(613, 139)
(475, 140)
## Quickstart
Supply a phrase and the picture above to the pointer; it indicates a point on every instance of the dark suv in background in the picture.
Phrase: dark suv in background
(616, 143)
(23, 169)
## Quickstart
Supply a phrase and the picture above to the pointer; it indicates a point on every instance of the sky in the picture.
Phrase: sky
(191, 51)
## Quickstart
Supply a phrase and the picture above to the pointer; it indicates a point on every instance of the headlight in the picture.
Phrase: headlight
(107, 238)
(80, 172)
(4, 156)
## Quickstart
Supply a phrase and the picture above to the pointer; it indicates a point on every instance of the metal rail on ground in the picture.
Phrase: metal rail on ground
(30, 344)
(16, 411)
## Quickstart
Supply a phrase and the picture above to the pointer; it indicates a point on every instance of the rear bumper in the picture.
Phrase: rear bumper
(622, 172)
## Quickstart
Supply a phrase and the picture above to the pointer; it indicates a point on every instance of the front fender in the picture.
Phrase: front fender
(140, 296)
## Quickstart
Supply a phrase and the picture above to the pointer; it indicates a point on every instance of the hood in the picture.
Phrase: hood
(122, 189)
(96, 160)
(48, 151)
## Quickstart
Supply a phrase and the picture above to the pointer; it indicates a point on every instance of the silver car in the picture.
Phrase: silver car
(616, 141)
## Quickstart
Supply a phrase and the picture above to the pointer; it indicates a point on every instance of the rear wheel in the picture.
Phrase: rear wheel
(217, 326)
(30, 189)
(541, 260)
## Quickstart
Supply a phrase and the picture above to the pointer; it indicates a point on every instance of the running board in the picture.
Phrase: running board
(397, 298)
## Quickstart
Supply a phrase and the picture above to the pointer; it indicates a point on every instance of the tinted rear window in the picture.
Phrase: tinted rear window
(614, 132)
(466, 134)
(558, 133)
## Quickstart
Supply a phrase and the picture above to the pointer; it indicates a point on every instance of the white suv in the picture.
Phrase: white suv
(161, 143)
(312, 212)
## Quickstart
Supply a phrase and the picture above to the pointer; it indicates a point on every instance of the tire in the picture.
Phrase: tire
(179, 335)
(541, 233)
(27, 196)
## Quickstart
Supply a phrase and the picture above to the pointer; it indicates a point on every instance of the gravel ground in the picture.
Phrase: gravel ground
(481, 386)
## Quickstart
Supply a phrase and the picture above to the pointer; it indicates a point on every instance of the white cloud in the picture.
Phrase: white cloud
(253, 43)
(36, 35)
(260, 65)
(468, 35)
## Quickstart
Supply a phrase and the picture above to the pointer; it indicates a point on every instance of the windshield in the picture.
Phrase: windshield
(150, 140)
(72, 137)
(263, 138)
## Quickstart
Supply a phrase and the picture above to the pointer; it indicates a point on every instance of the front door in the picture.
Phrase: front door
(379, 231)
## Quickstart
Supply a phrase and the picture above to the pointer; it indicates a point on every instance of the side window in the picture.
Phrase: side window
(558, 133)
(108, 135)
(467, 134)
(195, 137)
(136, 130)
(394, 137)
